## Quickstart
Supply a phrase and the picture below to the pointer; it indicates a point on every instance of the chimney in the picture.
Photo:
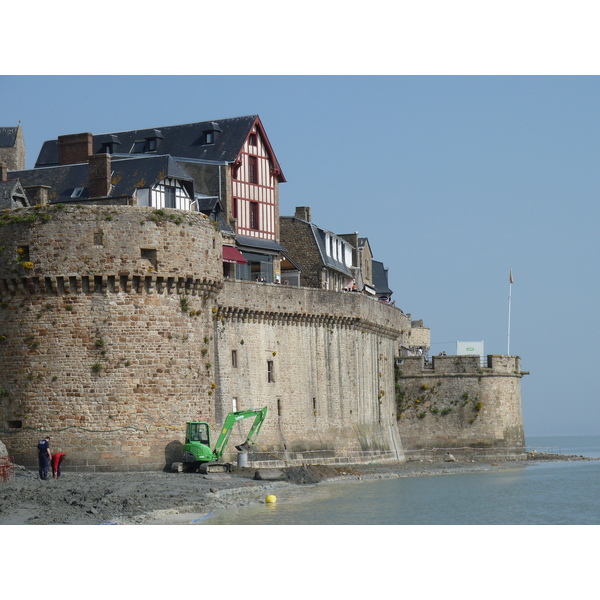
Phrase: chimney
(74, 148)
(303, 212)
(99, 175)
(3, 172)
(37, 194)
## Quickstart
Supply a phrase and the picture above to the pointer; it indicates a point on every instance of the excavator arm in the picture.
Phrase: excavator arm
(232, 418)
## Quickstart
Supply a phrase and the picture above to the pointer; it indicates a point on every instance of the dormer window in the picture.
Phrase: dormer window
(209, 134)
(148, 144)
(107, 144)
(138, 147)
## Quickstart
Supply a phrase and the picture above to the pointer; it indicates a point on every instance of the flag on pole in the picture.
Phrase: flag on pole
(511, 277)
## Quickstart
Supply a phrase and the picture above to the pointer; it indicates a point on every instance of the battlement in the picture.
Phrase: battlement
(84, 249)
(493, 364)
(291, 305)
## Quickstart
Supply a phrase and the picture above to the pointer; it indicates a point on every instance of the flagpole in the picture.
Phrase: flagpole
(509, 302)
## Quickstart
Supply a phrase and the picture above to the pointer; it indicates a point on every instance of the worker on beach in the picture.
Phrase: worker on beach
(44, 456)
(57, 458)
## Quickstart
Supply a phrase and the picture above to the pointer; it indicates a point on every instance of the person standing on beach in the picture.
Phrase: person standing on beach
(44, 456)
(57, 458)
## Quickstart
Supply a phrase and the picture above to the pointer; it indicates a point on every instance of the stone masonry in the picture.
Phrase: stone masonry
(117, 328)
(453, 404)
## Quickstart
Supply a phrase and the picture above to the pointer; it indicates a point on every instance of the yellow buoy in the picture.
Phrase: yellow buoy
(270, 499)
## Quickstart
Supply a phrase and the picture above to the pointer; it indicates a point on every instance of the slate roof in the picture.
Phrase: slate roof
(8, 191)
(328, 261)
(380, 279)
(211, 206)
(127, 175)
(180, 141)
(8, 136)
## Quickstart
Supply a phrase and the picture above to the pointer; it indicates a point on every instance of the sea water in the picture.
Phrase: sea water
(540, 493)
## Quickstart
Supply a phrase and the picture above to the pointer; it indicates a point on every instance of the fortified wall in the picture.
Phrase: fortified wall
(454, 404)
(117, 327)
(322, 361)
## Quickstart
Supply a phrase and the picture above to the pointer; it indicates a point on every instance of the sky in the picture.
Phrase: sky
(454, 180)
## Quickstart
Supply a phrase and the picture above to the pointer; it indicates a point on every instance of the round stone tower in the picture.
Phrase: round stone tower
(106, 322)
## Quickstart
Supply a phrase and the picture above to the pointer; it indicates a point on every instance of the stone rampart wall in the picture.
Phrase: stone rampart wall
(323, 362)
(120, 328)
(458, 406)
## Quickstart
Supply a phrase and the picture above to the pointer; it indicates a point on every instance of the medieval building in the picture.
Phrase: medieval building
(143, 285)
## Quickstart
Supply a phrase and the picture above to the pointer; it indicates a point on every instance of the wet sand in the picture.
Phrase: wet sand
(155, 497)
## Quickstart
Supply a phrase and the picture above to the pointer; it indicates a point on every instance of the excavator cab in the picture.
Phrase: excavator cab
(197, 443)
(198, 432)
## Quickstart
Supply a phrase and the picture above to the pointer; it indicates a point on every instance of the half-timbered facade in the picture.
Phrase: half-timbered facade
(255, 177)
(166, 193)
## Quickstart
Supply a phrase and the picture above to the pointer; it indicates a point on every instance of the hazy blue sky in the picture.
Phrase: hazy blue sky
(454, 181)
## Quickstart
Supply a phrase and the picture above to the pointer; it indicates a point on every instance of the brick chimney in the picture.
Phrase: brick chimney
(303, 212)
(99, 175)
(74, 148)
(3, 172)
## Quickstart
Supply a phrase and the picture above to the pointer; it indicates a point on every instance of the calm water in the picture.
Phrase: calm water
(531, 494)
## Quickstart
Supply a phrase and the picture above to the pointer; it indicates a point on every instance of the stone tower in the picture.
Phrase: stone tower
(12, 148)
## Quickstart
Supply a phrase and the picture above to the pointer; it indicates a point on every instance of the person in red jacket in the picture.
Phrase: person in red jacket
(57, 458)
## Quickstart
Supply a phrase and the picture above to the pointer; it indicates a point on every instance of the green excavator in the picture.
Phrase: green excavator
(197, 454)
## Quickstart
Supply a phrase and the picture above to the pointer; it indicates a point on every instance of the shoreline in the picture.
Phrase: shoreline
(149, 498)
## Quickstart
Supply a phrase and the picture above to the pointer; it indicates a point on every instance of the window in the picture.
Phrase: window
(98, 238)
(252, 169)
(139, 146)
(234, 405)
(150, 255)
(170, 196)
(77, 192)
(234, 362)
(107, 148)
(147, 145)
(253, 215)
(234, 208)
(209, 137)
(270, 373)
(252, 139)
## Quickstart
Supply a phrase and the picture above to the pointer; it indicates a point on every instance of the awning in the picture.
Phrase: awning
(370, 290)
(233, 255)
